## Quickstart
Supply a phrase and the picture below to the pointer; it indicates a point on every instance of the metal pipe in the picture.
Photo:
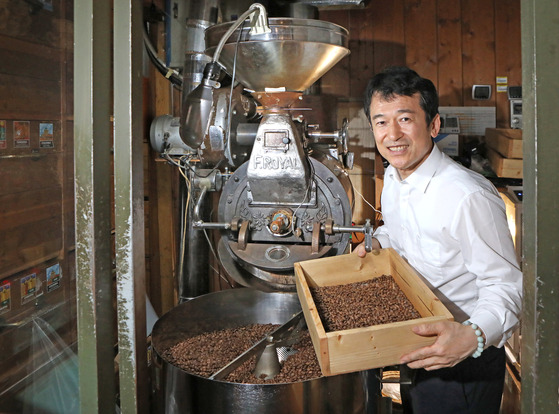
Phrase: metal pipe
(211, 226)
(367, 229)
(318, 135)
(193, 255)
(194, 258)
(346, 229)
(199, 202)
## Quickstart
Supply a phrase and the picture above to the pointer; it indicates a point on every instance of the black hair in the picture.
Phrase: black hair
(403, 81)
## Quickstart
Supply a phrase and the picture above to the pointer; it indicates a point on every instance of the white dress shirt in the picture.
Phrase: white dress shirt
(449, 223)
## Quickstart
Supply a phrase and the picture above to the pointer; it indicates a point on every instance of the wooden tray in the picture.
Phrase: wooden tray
(374, 346)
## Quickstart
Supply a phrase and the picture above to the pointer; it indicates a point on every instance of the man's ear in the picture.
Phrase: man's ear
(435, 126)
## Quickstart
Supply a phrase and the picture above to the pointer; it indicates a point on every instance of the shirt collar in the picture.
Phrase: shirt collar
(421, 177)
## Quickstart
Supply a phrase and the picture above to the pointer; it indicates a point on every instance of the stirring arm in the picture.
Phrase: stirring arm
(283, 332)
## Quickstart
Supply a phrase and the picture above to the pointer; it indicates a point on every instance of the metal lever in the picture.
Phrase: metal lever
(368, 236)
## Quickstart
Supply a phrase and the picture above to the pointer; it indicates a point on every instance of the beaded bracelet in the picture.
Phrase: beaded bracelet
(480, 340)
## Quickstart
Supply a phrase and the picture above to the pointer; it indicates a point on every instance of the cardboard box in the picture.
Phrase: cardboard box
(507, 142)
(449, 144)
(374, 346)
(504, 167)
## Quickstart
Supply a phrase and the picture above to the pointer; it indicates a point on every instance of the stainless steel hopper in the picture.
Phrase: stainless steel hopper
(293, 56)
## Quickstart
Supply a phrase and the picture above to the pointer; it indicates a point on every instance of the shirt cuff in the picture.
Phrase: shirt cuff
(491, 327)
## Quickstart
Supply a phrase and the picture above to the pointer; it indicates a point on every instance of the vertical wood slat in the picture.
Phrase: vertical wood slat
(478, 40)
(449, 53)
(389, 46)
(165, 180)
(508, 56)
(420, 22)
(361, 61)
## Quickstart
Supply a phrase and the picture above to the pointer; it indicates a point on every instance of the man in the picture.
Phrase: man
(449, 223)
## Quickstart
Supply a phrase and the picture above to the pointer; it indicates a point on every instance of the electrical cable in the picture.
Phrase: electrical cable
(229, 119)
(186, 161)
(174, 77)
(216, 259)
(370, 205)
(183, 235)
(184, 222)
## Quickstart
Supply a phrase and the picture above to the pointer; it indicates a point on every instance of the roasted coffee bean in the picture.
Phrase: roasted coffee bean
(357, 305)
(207, 353)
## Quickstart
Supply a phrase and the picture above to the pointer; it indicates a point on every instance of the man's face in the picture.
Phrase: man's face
(401, 133)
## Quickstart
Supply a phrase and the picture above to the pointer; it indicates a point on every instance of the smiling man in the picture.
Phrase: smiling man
(449, 223)
(402, 132)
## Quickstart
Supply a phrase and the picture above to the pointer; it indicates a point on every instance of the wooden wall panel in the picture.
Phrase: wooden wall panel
(420, 23)
(31, 211)
(508, 56)
(31, 244)
(29, 174)
(449, 52)
(32, 98)
(478, 49)
(22, 58)
(455, 43)
(41, 27)
(362, 56)
(19, 209)
(389, 46)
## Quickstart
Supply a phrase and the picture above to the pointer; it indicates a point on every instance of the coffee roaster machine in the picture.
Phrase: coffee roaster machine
(284, 196)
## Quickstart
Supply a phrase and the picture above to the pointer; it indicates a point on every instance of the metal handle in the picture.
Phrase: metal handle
(367, 229)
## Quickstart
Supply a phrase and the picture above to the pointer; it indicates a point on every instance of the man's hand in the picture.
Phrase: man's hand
(360, 250)
(455, 342)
